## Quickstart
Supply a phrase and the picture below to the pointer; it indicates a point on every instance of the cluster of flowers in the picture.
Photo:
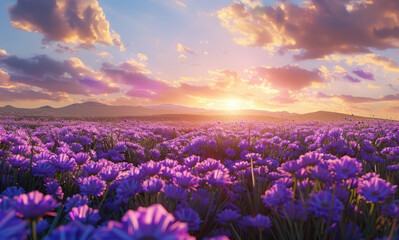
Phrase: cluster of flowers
(213, 180)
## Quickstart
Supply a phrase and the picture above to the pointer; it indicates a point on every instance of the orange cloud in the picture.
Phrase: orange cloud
(184, 49)
(70, 21)
(316, 28)
(4, 78)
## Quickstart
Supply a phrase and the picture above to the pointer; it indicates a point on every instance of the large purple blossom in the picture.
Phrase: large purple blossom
(345, 168)
(326, 205)
(153, 222)
(34, 204)
(11, 226)
(375, 189)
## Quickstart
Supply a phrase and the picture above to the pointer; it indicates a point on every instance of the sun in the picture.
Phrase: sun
(232, 104)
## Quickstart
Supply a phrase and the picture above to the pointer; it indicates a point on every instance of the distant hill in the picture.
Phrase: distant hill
(94, 109)
(171, 111)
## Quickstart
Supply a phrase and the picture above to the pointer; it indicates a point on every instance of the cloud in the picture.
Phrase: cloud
(183, 49)
(69, 21)
(104, 54)
(68, 76)
(3, 54)
(62, 48)
(356, 99)
(143, 85)
(181, 4)
(386, 63)
(284, 97)
(4, 78)
(317, 27)
(351, 79)
(142, 57)
(10, 95)
(364, 75)
(287, 78)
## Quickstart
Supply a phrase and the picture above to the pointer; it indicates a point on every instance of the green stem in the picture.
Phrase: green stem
(103, 199)
(33, 229)
(235, 232)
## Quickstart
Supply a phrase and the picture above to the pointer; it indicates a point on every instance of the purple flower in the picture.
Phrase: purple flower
(218, 178)
(253, 156)
(43, 168)
(76, 201)
(42, 156)
(290, 166)
(11, 192)
(85, 140)
(92, 186)
(230, 152)
(186, 180)
(175, 192)
(277, 195)
(84, 214)
(228, 216)
(153, 222)
(375, 189)
(115, 156)
(151, 168)
(11, 226)
(391, 210)
(34, 204)
(120, 147)
(19, 161)
(155, 154)
(191, 161)
(42, 226)
(108, 173)
(345, 168)
(293, 211)
(319, 172)
(54, 189)
(63, 163)
(153, 185)
(260, 221)
(73, 231)
(310, 158)
(76, 147)
(189, 216)
(326, 205)
(127, 188)
(92, 168)
(82, 158)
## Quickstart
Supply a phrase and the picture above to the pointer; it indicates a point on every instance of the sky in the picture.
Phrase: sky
(290, 55)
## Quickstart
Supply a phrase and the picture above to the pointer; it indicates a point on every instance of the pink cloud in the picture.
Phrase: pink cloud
(68, 76)
(287, 78)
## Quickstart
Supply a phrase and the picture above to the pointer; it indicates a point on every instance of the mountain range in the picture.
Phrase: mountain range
(171, 111)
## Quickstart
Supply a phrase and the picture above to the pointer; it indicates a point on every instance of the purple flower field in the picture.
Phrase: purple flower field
(129, 179)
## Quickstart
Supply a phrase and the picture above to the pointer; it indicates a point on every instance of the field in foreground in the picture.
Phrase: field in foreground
(131, 179)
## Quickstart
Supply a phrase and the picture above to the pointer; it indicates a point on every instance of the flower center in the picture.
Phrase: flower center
(325, 204)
